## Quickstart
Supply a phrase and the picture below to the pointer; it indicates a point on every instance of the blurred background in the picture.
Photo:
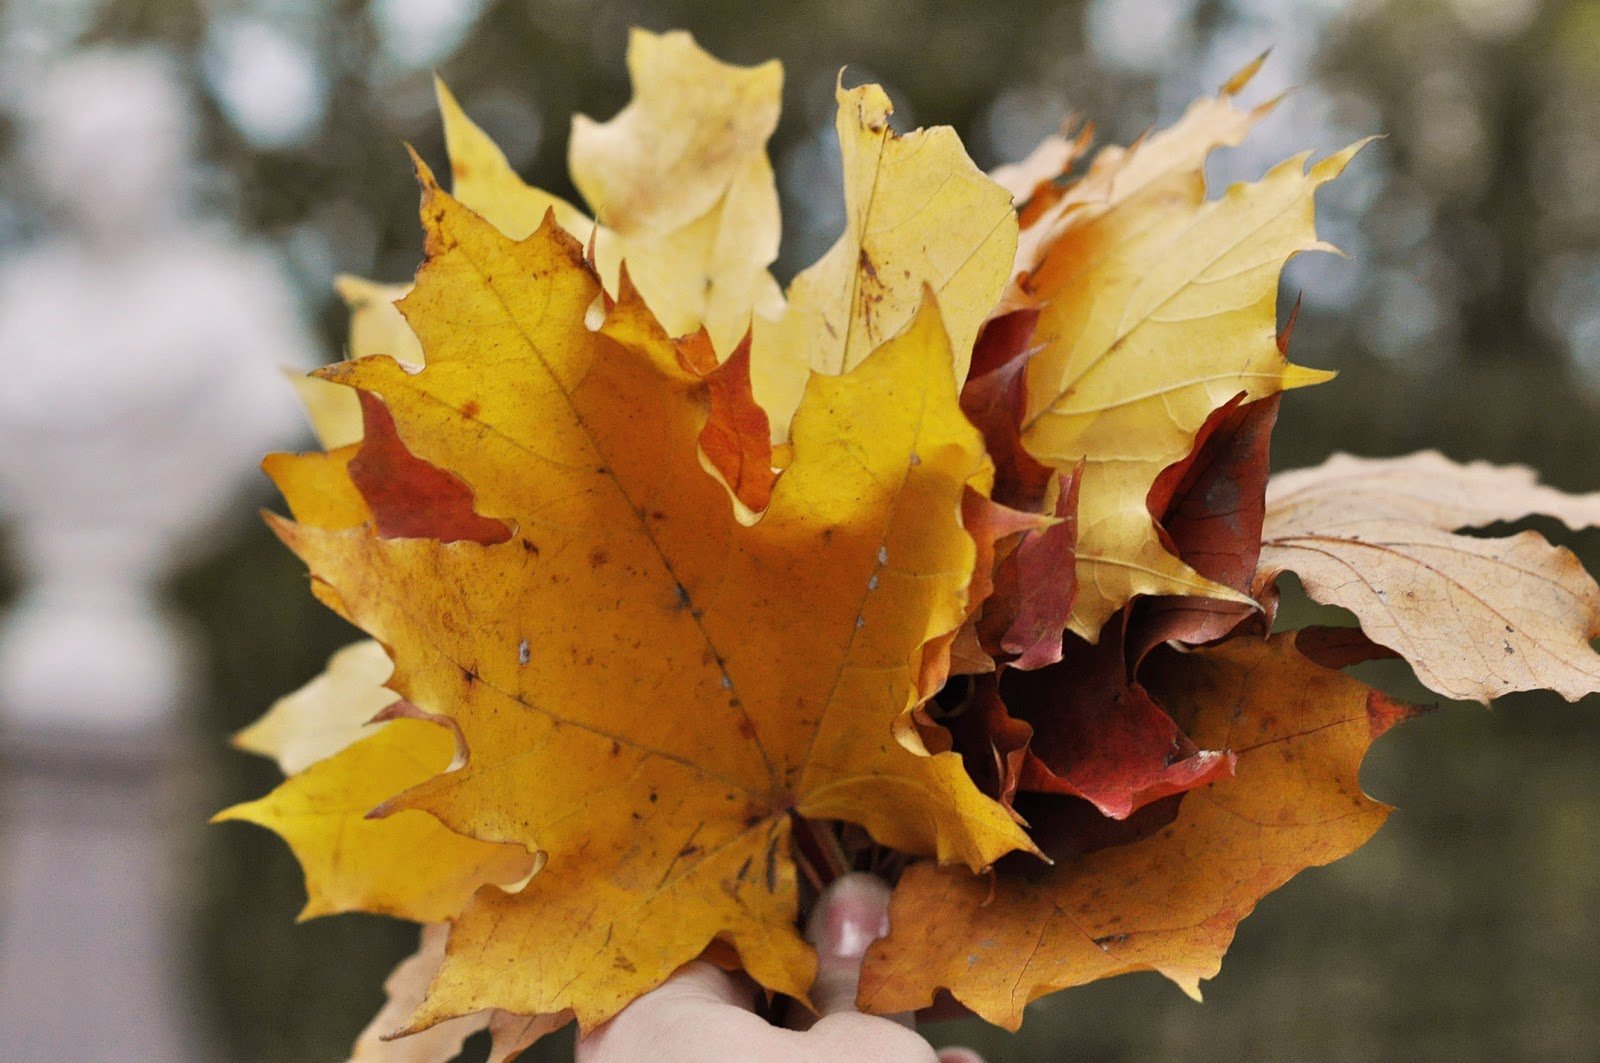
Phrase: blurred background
(1467, 318)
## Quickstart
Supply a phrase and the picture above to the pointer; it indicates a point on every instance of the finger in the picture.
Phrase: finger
(850, 915)
(702, 983)
(676, 1009)
(959, 1055)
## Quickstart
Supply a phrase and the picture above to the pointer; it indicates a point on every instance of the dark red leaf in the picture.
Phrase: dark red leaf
(411, 498)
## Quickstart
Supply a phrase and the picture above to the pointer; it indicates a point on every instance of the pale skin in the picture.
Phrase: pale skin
(703, 1014)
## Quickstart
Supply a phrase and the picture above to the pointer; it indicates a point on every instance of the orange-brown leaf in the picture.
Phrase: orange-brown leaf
(1170, 901)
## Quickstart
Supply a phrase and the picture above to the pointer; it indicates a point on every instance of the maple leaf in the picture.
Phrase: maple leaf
(1475, 617)
(679, 182)
(1099, 735)
(1168, 901)
(342, 767)
(1210, 508)
(406, 988)
(678, 683)
(1156, 307)
(376, 327)
(918, 213)
(326, 715)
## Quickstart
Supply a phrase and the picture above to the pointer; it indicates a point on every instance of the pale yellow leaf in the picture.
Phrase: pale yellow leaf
(679, 181)
(1475, 617)
(918, 214)
(376, 326)
(482, 179)
(1053, 156)
(384, 1042)
(327, 714)
(1157, 309)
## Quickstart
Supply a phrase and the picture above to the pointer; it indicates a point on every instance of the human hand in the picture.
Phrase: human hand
(703, 1014)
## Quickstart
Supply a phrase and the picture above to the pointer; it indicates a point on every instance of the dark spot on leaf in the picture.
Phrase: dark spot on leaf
(471, 408)
(868, 266)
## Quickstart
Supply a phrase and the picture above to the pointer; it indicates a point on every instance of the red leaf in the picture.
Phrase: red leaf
(990, 525)
(992, 743)
(1042, 574)
(1099, 736)
(1211, 506)
(994, 401)
(1340, 647)
(411, 498)
(737, 438)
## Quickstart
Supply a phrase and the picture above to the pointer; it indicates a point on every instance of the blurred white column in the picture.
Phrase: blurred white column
(139, 385)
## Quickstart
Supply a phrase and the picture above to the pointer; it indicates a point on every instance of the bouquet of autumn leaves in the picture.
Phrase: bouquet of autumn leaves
(955, 562)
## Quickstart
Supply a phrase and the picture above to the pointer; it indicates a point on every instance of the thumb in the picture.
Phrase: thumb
(851, 914)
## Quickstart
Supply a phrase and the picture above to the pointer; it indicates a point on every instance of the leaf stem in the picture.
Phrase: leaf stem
(817, 851)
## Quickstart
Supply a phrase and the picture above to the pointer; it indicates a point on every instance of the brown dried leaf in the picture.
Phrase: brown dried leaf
(1475, 617)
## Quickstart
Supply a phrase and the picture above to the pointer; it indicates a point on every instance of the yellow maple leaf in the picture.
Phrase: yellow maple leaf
(650, 689)
(343, 766)
(918, 213)
(406, 988)
(1156, 307)
(679, 180)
